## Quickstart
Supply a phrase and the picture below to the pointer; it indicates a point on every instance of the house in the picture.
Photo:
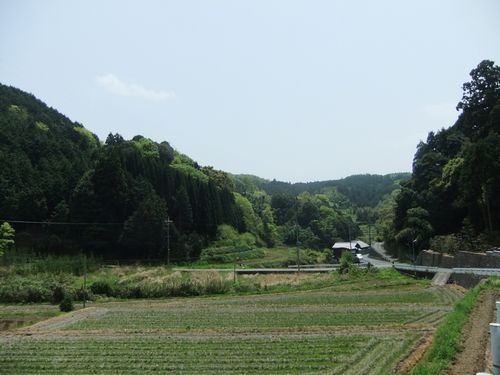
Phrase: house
(355, 246)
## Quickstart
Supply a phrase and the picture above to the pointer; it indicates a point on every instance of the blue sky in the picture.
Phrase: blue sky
(292, 90)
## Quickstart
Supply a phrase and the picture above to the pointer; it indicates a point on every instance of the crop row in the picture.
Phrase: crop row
(251, 317)
(328, 298)
(277, 354)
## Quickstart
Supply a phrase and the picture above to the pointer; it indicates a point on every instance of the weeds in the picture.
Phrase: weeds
(447, 337)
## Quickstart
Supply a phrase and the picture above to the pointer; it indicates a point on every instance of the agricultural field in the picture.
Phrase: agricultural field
(364, 326)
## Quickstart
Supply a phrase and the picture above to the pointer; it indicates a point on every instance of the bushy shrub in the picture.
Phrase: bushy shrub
(449, 243)
(66, 304)
(84, 294)
(229, 236)
(346, 262)
(58, 293)
(23, 289)
(33, 288)
(103, 287)
(245, 287)
(230, 254)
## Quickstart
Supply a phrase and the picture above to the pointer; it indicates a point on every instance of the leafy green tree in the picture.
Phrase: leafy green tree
(60, 212)
(144, 232)
(480, 181)
(147, 147)
(110, 186)
(251, 220)
(284, 207)
(183, 211)
(455, 172)
(7, 234)
(346, 262)
(480, 95)
(417, 228)
(307, 213)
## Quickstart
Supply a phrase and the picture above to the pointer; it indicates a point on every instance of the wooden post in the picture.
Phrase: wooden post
(85, 281)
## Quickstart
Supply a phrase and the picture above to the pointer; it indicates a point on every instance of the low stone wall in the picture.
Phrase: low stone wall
(462, 259)
(447, 261)
(466, 280)
(429, 258)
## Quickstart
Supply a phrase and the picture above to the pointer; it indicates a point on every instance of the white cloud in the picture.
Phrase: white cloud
(116, 86)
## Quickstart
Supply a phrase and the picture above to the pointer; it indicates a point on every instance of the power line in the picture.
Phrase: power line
(56, 222)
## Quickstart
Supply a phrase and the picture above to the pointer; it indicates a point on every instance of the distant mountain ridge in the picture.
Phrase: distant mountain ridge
(361, 189)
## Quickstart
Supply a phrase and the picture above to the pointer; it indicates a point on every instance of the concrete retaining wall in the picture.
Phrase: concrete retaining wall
(466, 280)
(431, 258)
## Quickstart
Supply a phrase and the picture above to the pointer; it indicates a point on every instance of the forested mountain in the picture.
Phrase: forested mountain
(452, 199)
(56, 171)
(361, 190)
(66, 191)
(42, 153)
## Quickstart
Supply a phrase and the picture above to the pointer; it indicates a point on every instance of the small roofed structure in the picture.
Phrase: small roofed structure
(355, 246)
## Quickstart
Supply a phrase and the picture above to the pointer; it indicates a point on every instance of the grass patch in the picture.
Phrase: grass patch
(15, 316)
(230, 254)
(447, 337)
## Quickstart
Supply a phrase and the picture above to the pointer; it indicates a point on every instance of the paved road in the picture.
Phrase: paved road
(389, 261)
(386, 263)
(378, 247)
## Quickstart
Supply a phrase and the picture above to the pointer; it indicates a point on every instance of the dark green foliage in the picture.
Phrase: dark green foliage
(24, 262)
(103, 287)
(346, 262)
(361, 190)
(58, 294)
(66, 304)
(456, 171)
(55, 170)
(284, 206)
(42, 154)
(27, 288)
(144, 233)
(114, 199)
(84, 294)
(230, 254)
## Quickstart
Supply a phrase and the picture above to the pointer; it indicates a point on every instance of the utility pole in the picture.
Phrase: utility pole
(349, 234)
(84, 280)
(298, 250)
(168, 222)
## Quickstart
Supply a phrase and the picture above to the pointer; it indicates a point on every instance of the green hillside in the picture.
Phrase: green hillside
(360, 190)
(452, 201)
(113, 198)
(65, 191)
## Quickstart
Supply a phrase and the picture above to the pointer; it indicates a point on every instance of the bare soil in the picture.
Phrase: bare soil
(472, 357)
(66, 319)
(407, 364)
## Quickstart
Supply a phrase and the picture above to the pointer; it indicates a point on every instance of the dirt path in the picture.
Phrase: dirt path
(64, 320)
(475, 337)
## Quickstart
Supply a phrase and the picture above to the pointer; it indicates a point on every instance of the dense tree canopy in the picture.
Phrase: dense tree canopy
(117, 195)
(456, 172)
(122, 198)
